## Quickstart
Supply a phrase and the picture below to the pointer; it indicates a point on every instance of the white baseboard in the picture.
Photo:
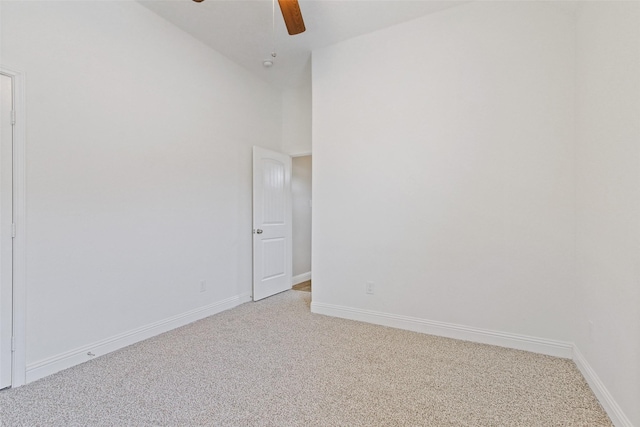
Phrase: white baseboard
(449, 330)
(300, 278)
(79, 355)
(618, 418)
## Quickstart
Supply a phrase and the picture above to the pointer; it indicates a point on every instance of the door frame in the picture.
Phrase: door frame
(19, 365)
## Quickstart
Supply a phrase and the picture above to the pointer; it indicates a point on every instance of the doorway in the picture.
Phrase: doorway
(301, 172)
(281, 222)
(13, 369)
(7, 122)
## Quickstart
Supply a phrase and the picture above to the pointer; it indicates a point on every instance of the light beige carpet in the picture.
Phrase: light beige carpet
(273, 363)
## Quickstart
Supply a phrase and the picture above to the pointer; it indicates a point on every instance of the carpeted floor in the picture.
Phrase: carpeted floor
(273, 363)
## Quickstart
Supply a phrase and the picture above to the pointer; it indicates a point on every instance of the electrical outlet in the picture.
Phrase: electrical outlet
(369, 288)
(203, 285)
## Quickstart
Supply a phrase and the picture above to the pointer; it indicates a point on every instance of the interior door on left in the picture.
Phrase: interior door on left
(6, 227)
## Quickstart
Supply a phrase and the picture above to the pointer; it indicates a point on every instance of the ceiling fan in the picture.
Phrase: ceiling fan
(291, 14)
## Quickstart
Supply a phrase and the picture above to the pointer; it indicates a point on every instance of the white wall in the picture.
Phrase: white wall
(301, 195)
(443, 169)
(138, 169)
(608, 197)
(296, 119)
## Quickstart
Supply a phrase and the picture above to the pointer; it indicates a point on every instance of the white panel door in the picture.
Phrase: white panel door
(272, 253)
(6, 227)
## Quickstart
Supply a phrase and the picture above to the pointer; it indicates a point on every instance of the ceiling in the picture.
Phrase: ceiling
(242, 30)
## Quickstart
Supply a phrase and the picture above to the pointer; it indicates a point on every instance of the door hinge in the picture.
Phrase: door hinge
(13, 343)
(13, 229)
(13, 117)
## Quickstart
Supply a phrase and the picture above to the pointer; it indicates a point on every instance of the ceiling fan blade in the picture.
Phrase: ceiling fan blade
(292, 16)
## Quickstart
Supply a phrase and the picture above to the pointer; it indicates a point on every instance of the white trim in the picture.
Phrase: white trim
(618, 418)
(18, 370)
(79, 355)
(302, 154)
(449, 330)
(300, 278)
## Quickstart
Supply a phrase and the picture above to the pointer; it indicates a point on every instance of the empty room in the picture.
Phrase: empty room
(471, 205)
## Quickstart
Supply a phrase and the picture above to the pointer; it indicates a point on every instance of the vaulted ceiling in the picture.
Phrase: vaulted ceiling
(243, 30)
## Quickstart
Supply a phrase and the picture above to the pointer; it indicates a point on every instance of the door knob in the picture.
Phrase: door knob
(258, 231)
